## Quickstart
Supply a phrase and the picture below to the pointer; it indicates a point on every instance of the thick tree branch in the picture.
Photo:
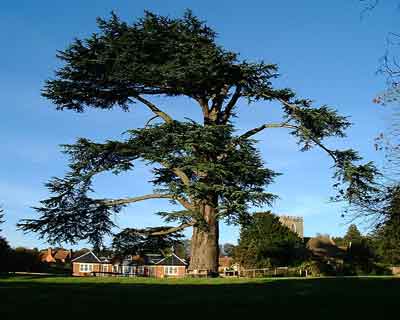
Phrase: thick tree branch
(219, 98)
(155, 109)
(118, 202)
(204, 107)
(173, 229)
(231, 104)
(179, 173)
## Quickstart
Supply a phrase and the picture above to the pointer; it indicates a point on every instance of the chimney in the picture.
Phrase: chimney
(49, 251)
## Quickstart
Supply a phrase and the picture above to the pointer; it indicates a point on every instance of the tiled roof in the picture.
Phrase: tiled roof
(153, 258)
(62, 254)
(88, 257)
(172, 260)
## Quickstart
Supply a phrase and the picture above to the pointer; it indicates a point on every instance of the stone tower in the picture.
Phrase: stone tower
(293, 223)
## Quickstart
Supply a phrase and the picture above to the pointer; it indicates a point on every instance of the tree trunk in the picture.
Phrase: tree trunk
(204, 247)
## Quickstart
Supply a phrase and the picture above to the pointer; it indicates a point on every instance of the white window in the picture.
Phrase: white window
(85, 267)
(170, 271)
(105, 268)
(140, 270)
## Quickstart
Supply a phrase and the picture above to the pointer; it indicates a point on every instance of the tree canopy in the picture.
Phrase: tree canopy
(214, 173)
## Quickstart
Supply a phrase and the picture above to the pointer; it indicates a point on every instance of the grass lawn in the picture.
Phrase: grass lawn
(340, 298)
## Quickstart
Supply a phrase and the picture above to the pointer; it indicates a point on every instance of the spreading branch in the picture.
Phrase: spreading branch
(155, 109)
(119, 202)
(256, 130)
(231, 104)
(173, 229)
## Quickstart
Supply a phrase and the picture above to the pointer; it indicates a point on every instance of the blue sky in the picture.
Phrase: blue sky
(325, 52)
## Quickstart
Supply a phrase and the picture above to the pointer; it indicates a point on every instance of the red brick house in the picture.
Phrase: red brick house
(88, 264)
(150, 265)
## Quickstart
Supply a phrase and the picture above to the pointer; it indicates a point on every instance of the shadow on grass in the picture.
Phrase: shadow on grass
(328, 297)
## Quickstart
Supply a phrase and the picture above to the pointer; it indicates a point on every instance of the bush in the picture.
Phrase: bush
(317, 268)
(372, 268)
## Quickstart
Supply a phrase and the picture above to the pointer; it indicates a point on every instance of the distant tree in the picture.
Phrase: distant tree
(24, 259)
(209, 169)
(5, 249)
(5, 255)
(352, 235)
(103, 251)
(1, 217)
(387, 243)
(133, 241)
(228, 249)
(265, 242)
(339, 241)
(387, 235)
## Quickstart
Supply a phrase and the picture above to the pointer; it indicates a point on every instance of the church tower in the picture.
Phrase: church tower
(293, 223)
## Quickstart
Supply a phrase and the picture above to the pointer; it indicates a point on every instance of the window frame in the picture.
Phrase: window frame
(85, 267)
(171, 270)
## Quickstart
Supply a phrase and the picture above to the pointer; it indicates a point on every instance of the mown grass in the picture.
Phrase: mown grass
(344, 298)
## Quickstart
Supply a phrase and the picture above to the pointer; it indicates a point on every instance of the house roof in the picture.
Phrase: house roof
(324, 247)
(88, 257)
(62, 254)
(153, 258)
(172, 260)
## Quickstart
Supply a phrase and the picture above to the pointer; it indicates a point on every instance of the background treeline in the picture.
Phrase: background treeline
(266, 243)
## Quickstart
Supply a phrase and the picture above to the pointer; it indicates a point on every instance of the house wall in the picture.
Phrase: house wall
(159, 272)
(149, 271)
(97, 267)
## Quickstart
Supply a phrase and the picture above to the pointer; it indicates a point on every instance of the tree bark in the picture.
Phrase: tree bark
(204, 246)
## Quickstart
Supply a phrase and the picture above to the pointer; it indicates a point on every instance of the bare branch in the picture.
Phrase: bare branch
(287, 125)
(151, 119)
(252, 132)
(185, 203)
(231, 104)
(118, 202)
(155, 109)
(173, 229)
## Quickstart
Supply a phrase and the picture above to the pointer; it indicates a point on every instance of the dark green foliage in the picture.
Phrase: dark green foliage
(339, 241)
(386, 238)
(229, 249)
(137, 242)
(237, 177)
(318, 268)
(352, 235)
(1, 217)
(5, 253)
(26, 260)
(199, 165)
(70, 207)
(156, 55)
(265, 242)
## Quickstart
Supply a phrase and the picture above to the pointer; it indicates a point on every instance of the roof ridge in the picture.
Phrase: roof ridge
(82, 255)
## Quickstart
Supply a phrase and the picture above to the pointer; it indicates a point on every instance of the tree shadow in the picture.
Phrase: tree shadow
(328, 297)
